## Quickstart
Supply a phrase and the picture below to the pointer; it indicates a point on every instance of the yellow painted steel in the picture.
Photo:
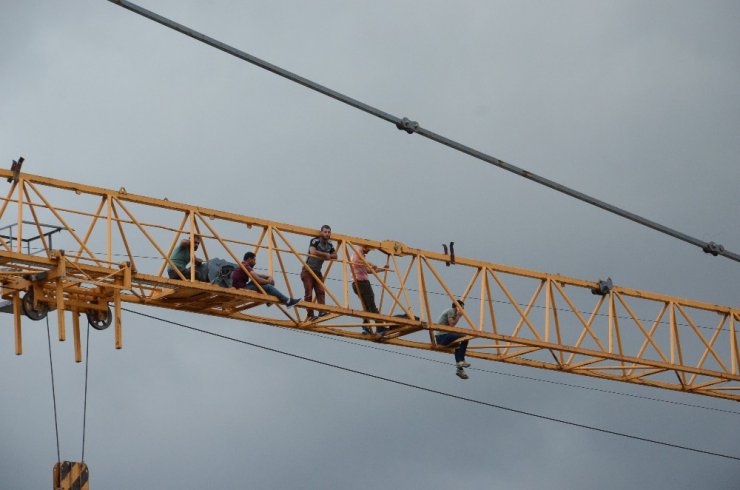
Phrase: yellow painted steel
(519, 316)
(70, 475)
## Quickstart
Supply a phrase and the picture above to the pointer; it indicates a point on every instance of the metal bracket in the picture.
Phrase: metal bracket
(713, 248)
(603, 288)
(451, 253)
(16, 169)
(407, 125)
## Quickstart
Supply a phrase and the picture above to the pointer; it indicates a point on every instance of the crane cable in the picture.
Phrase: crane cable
(511, 375)
(411, 127)
(442, 393)
(53, 391)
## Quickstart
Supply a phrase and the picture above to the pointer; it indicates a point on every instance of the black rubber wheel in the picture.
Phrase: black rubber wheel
(35, 313)
(100, 320)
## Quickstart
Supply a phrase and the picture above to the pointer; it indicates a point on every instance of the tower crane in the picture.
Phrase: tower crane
(513, 315)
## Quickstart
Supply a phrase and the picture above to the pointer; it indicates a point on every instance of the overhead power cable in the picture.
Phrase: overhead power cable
(511, 375)
(411, 127)
(437, 392)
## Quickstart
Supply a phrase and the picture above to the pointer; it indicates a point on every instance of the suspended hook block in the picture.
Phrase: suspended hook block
(69, 475)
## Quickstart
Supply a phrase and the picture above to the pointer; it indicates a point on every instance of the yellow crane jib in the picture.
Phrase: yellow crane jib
(121, 247)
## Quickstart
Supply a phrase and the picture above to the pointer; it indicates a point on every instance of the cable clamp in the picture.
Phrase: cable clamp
(713, 248)
(16, 169)
(450, 254)
(603, 287)
(407, 125)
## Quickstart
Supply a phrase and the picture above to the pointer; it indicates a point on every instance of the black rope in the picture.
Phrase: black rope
(53, 391)
(84, 410)
(501, 373)
(413, 127)
(442, 393)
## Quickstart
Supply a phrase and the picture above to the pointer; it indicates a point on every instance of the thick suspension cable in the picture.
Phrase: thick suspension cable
(413, 127)
(437, 392)
(53, 391)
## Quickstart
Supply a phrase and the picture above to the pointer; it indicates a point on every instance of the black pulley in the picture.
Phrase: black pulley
(34, 312)
(100, 320)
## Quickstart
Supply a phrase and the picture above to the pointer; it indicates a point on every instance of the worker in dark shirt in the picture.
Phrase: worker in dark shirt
(319, 249)
(242, 280)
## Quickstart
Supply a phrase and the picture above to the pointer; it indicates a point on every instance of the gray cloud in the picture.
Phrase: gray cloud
(634, 103)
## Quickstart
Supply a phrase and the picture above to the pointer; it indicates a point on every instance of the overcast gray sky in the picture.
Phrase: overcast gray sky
(634, 102)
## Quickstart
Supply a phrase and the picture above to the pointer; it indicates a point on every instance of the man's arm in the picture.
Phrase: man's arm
(378, 268)
(452, 320)
(263, 279)
(322, 255)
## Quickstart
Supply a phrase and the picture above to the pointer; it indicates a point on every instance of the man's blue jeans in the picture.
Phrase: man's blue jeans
(269, 289)
(448, 338)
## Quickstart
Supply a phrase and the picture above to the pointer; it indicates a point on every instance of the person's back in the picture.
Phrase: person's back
(239, 279)
(180, 258)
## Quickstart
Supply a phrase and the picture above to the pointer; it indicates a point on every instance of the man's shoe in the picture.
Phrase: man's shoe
(293, 302)
(311, 318)
(381, 330)
(322, 313)
(461, 373)
(367, 331)
(463, 364)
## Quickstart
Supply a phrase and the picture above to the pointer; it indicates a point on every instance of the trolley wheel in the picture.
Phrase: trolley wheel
(37, 312)
(100, 320)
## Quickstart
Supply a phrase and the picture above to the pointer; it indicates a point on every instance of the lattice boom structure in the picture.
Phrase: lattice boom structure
(512, 315)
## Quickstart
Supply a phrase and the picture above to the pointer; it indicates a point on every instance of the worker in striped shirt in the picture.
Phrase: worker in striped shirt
(362, 287)
(320, 249)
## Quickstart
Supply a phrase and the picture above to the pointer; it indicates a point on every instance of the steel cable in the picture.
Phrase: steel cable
(442, 393)
(413, 127)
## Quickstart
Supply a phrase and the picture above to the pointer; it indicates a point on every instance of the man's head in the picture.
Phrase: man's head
(325, 232)
(196, 241)
(250, 258)
(458, 304)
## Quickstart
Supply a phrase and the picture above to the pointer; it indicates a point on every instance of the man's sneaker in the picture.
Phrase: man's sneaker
(463, 364)
(311, 318)
(461, 373)
(367, 331)
(381, 330)
(322, 313)
(293, 302)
